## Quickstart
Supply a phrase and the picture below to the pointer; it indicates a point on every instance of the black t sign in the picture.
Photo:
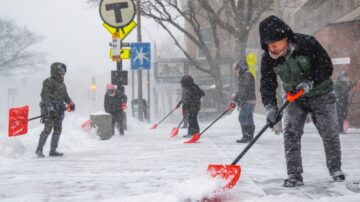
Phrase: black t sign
(117, 9)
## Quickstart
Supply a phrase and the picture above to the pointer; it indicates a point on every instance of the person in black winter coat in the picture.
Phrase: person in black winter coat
(301, 63)
(191, 103)
(54, 95)
(115, 104)
(245, 99)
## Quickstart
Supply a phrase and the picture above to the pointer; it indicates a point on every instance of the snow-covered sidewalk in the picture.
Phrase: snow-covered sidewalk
(148, 165)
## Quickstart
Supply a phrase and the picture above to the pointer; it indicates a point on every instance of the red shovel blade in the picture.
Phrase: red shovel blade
(174, 132)
(153, 126)
(86, 126)
(18, 121)
(230, 173)
(194, 138)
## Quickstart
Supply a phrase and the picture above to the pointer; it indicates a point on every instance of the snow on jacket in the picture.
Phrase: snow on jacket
(306, 60)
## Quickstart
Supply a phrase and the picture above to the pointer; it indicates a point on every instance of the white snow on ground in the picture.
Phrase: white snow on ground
(148, 165)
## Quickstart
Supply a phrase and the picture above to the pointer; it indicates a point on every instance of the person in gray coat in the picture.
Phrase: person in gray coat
(245, 99)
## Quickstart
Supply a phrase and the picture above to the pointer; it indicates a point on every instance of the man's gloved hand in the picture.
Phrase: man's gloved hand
(271, 114)
(71, 107)
(306, 85)
(51, 113)
(123, 106)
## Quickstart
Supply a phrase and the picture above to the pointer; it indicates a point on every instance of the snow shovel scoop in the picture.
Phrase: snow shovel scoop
(175, 131)
(196, 136)
(18, 121)
(154, 126)
(231, 173)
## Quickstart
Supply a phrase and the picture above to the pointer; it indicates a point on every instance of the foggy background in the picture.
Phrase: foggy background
(72, 33)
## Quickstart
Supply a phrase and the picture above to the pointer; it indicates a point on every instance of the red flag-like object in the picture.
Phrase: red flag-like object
(18, 121)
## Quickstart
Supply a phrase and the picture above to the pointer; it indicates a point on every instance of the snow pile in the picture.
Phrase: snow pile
(73, 138)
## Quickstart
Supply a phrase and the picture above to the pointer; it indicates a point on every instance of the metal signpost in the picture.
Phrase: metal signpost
(118, 16)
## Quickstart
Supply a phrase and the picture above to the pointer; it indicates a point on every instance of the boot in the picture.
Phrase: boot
(54, 144)
(293, 180)
(248, 134)
(338, 176)
(42, 141)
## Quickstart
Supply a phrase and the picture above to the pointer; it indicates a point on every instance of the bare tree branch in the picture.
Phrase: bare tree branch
(15, 56)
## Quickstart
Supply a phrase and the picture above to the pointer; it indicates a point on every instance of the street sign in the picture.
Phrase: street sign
(123, 32)
(117, 13)
(140, 56)
(124, 55)
(119, 78)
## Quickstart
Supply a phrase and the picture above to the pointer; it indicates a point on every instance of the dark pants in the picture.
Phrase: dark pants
(193, 123)
(323, 113)
(118, 120)
(246, 120)
(49, 125)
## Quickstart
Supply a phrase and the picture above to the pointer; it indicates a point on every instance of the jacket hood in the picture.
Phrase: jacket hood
(273, 29)
(187, 81)
(58, 71)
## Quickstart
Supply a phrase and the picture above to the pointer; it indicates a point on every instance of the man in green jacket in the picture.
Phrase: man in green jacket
(301, 63)
(53, 98)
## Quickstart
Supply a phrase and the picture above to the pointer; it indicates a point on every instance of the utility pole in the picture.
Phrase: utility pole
(139, 72)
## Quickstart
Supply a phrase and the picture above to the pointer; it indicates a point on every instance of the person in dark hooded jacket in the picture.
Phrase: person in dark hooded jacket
(53, 98)
(245, 99)
(191, 103)
(115, 104)
(342, 88)
(301, 63)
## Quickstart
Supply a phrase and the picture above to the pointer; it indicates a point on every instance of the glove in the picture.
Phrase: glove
(123, 106)
(51, 113)
(272, 114)
(70, 107)
(306, 85)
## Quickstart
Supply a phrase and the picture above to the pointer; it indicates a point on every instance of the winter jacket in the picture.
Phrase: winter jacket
(246, 88)
(112, 104)
(191, 95)
(54, 94)
(306, 60)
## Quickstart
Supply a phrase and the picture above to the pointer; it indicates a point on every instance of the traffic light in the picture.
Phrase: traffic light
(93, 84)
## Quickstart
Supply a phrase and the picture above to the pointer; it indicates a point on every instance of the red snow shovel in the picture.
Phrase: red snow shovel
(175, 131)
(18, 121)
(196, 136)
(232, 172)
(154, 126)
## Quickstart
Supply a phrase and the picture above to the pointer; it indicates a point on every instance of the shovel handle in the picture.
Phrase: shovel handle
(267, 125)
(290, 98)
(36, 117)
(167, 116)
(182, 121)
(228, 109)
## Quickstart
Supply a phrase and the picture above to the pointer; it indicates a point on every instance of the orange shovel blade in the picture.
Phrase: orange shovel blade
(194, 138)
(230, 173)
(153, 126)
(174, 132)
